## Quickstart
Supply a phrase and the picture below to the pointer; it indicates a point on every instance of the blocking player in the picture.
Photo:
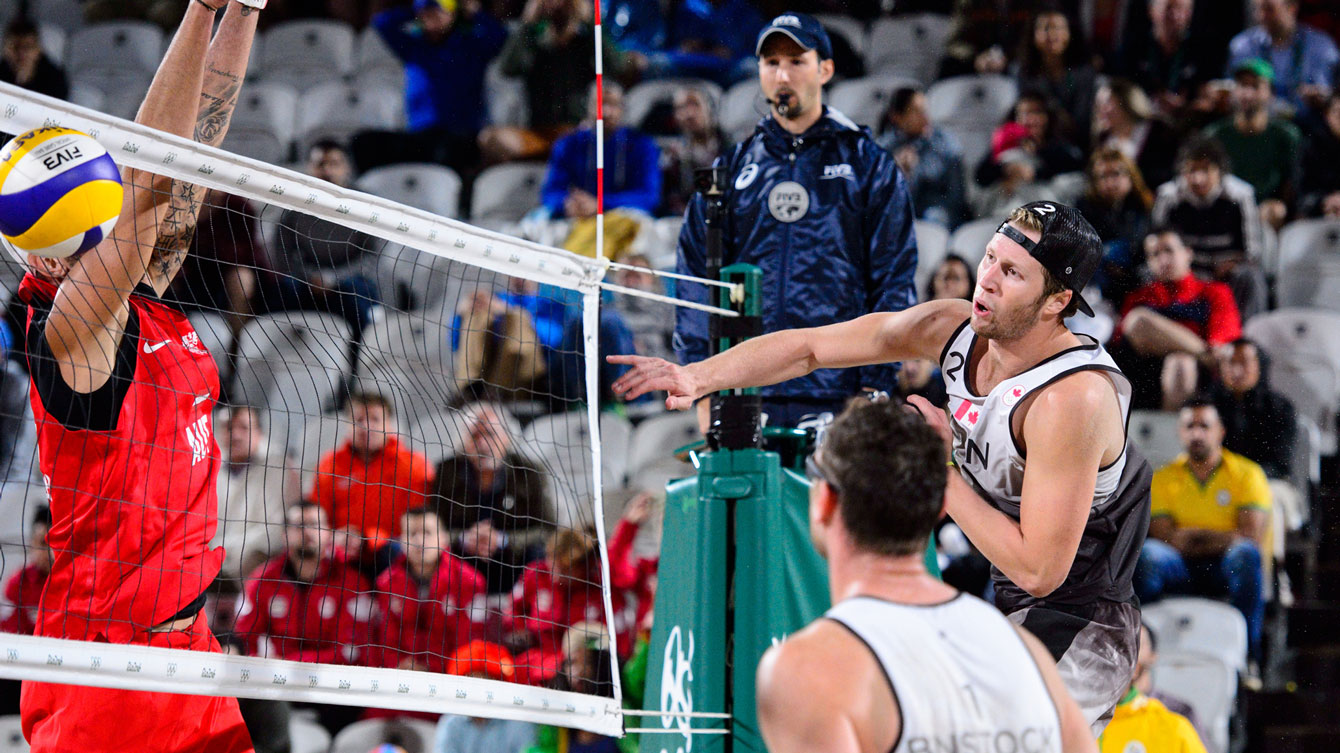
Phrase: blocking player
(1048, 489)
(122, 395)
(902, 662)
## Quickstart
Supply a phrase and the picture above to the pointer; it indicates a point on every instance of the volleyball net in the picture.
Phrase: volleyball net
(409, 463)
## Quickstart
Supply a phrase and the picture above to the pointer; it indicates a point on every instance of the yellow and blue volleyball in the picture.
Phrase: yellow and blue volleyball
(60, 193)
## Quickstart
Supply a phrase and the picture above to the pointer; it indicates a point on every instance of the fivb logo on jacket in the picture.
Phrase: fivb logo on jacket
(788, 201)
(838, 171)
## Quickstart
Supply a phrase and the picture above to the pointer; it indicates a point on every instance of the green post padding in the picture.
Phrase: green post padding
(686, 662)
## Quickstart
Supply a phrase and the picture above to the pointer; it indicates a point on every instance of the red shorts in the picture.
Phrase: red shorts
(77, 718)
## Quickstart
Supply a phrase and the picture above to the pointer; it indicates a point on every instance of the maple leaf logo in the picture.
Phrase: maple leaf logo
(972, 418)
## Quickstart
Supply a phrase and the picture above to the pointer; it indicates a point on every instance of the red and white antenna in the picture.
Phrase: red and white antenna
(600, 138)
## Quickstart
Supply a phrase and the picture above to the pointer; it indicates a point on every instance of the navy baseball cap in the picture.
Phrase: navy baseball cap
(804, 29)
(1069, 248)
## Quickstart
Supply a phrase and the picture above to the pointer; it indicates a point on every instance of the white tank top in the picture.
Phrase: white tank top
(961, 676)
(984, 444)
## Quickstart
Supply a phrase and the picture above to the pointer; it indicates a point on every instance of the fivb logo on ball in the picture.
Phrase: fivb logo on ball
(60, 193)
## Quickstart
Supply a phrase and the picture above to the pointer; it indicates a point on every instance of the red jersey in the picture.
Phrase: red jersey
(426, 620)
(629, 574)
(131, 473)
(546, 608)
(1204, 307)
(372, 495)
(23, 593)
(326, 621)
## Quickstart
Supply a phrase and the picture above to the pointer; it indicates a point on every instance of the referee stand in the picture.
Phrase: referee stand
(737, 570)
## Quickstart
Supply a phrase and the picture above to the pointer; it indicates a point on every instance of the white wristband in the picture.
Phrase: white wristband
(257, 4)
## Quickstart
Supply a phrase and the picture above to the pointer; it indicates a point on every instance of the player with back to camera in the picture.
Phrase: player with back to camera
(902, 662)
(122, 395)
(1048, 488)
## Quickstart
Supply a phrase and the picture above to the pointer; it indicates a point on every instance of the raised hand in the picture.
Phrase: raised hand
(652, 374)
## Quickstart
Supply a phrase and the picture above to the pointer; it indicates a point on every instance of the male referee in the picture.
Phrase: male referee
(123, 393)
(820, 208)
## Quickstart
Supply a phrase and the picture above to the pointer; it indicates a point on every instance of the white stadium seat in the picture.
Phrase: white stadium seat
(120, 95)
(1155, 433)
(215, 335)
(664, 248)
(67, 14)
(374, 58)
(337, 110)
(1304, 350)
(910, 45)
(741, 109)
(969, 239)
(53, 41)
(408, 359)
(432, 188)
(656, 439)
(932, 248)
(307, 736)
(292, 361)
(561, 446)
(11, 735)
(865, 100)
(848, 28)
(971, 107)
(307, 53)
(640, 99)
(505, 193)
(1309, 264)
(116, 46)
(87, 95)
(1189, 623)
(506, 100)
(262, 124)
(1205, 682)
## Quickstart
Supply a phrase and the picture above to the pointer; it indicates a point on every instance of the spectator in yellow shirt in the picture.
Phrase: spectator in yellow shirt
(1210, 510)
(1141, 723)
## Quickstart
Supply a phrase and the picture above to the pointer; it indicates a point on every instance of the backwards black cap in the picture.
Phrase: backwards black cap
(1069, 248)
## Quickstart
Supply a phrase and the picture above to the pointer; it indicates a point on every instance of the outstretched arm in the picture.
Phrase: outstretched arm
(225, 66)
(918, 332)
(89, 314)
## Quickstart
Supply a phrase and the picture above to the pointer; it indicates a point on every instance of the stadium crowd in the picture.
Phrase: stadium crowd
(1191, 134)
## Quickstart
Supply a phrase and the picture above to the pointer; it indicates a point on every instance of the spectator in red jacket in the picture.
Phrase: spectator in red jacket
(304, 605)
(425, 597)
(368, 484)
(1170, 327)
(629, 573)
(556, 593)
(23, 592)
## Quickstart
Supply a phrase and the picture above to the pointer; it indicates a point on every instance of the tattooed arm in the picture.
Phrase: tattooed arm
(225, 66)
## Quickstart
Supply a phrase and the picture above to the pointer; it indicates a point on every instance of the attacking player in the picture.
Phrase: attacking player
(902, 662)
(122, 396)
(1048, 488)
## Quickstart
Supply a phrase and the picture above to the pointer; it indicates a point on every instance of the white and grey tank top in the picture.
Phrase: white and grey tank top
(961, 675)
(990, 457)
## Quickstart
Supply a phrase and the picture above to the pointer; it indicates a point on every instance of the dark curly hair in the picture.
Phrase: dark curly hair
(889, 471)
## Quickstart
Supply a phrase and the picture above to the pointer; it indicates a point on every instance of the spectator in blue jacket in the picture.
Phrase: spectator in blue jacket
(1303, 58)
(817, 204)
(445, 49)
(632, 165)
(712, 39)
(930, 158)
